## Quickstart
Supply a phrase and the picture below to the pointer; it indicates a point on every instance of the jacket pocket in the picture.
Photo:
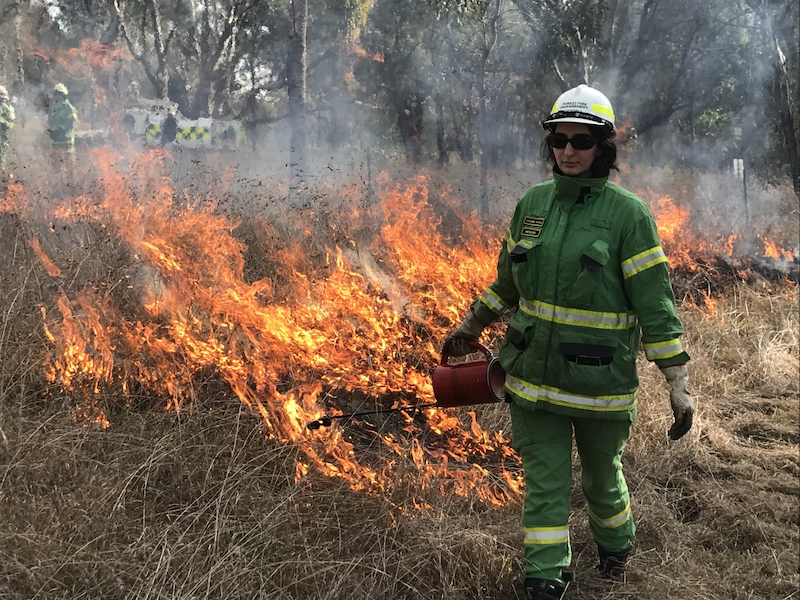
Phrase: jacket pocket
(587, 364)
(590, 273)
(525, 266)
(518, 336)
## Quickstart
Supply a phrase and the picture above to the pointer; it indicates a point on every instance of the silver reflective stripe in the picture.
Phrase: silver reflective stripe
(546, 535)
(643, 261)
(615, 521)
(494, 302)
(660, 350)
(533, 393)
(578, 317)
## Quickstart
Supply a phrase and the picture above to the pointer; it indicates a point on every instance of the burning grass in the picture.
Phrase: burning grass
(243, 330)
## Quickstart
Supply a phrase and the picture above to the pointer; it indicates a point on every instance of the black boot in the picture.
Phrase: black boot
(612, 564)
(544, 589)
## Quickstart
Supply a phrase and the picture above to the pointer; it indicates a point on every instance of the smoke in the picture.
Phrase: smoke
(417, 93)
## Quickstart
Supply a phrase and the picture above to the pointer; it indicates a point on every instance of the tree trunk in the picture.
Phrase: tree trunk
(18, 48)
(296, 66)
(111, 33)
(441, 141)
(156, 75)
(788, 115)
(463, 134)
(434, 35)
(483, 133)
(489, 39)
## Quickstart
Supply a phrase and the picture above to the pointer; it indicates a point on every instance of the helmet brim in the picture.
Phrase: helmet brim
(568, 119)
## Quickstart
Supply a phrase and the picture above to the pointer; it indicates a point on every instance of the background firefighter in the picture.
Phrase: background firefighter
(61, 126)
(585, 279)
(7, 118)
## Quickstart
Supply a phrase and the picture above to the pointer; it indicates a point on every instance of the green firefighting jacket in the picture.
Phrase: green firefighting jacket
(582, 265)
(7, 118)
(62, 122)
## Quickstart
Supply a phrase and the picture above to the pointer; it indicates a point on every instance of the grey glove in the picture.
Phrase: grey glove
(457, 343)
(682, 406)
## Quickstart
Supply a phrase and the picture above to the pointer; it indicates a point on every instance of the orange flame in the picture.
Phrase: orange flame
(48, 264)
(349, 318)
(350, 311)
(773, 250)
(359, 51)
(685, 249)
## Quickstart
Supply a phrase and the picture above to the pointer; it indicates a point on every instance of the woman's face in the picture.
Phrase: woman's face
(572, 162)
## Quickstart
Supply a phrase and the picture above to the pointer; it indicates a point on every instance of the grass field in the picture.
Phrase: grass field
(208, 502)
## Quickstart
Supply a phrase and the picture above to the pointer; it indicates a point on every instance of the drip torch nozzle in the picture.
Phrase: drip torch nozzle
(323, 422)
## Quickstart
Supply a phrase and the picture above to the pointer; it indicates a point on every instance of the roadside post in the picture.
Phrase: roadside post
(740, 173)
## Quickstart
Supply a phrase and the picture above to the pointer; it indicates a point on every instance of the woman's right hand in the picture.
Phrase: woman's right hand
(457, 343)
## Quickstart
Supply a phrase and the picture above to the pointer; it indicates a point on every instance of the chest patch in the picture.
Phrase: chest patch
(531, 232)
(532, 226)
(533, 222)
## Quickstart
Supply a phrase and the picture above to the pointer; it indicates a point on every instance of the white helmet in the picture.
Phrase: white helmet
(582, 104)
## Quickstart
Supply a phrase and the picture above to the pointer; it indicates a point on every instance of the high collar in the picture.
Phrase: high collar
(570, 189)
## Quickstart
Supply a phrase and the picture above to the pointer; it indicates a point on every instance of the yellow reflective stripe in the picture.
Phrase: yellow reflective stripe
(603, 110)
(643, 261)
(494, 302)
(615, 521)
(659, 350)
(510, 243)
(578, 317)
(554, 109)
(547, 535)
(553, 395)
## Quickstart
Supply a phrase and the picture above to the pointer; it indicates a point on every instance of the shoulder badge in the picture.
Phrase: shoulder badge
(532, 226)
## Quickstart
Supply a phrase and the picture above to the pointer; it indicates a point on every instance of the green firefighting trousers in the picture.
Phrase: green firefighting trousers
(543, 440)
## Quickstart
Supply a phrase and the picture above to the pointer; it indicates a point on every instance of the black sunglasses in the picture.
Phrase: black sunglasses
(581, 141)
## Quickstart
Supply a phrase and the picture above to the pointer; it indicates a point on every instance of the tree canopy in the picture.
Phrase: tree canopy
(700, 82)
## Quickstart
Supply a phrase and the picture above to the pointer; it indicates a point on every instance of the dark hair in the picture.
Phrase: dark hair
(602, 165)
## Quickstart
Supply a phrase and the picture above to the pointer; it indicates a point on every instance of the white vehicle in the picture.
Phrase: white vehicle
(160, 123)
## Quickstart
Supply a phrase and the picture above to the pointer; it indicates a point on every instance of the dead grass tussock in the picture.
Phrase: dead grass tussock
(725, 500)
(201, 505)
(751, 343)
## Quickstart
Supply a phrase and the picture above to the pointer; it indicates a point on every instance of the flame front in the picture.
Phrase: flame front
(335, 317)
(348, 312)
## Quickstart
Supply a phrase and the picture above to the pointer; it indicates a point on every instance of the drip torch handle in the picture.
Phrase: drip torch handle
(473, 344)
(327, 420)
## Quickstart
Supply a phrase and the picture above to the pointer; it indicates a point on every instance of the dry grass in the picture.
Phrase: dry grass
(204, 505)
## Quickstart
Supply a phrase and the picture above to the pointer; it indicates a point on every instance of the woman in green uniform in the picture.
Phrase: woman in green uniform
(61, 126)
(583, 275)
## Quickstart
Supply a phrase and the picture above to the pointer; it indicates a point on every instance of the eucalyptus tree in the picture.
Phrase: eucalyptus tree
(186, 49)
(395, 33)
(11, 55)
(296, 70)
(780, 33)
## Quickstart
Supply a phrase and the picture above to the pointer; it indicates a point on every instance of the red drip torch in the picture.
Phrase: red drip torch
(459, 384)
